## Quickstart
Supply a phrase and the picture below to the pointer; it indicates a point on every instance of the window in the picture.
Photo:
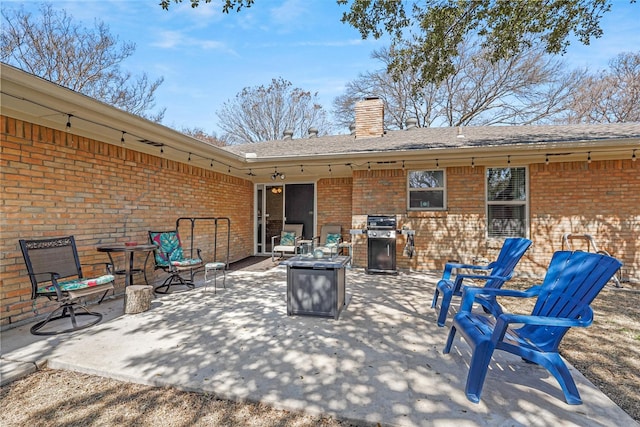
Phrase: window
(426, 190)
(507, 202)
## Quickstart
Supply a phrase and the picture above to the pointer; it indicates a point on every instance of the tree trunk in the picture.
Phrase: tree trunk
(137, 298)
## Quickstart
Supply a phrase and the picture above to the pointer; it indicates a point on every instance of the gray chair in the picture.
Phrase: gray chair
(287, 241)
(329, 239)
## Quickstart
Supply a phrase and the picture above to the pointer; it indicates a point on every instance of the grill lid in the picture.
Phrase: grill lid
(381, 222)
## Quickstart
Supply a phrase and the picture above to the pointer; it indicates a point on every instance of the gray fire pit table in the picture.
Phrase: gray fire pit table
(316, 286)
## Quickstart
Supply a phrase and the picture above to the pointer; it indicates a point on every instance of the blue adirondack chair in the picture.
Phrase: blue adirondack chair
(501, 270)
(572, 281)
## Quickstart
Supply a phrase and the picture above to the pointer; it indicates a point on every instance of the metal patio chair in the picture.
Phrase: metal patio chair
(55, 272)
(169, 257)
(287, 241)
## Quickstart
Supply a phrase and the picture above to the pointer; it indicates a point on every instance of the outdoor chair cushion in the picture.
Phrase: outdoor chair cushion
(77, 284)
(332, 239)
(186, 262)
(169, 243)
(288, 238)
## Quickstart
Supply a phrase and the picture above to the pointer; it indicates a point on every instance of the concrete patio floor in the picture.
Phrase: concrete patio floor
(381, 362)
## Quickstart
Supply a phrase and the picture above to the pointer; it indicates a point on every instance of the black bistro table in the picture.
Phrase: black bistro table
(128, 249)
(316, 286)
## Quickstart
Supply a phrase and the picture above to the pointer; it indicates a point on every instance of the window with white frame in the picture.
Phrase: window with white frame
(507, 202)
(426, 190)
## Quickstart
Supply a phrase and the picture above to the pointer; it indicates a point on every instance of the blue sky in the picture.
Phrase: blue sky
(206, 57)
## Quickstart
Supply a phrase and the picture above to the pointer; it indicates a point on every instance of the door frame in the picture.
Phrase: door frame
(260, 205)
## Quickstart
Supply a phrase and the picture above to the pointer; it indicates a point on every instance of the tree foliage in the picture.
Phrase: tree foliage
(227, 5)
(56, 48)
(609, 96)
(263, 113)
(529, 87)
(427, 34)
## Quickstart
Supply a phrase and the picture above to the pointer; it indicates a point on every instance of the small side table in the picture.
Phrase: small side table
(129, 271)
(305, 247)
(215, 266)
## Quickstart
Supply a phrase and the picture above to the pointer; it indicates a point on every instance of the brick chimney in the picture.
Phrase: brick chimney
(369, 118)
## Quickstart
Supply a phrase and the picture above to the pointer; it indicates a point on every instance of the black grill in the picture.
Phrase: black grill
(381, 244)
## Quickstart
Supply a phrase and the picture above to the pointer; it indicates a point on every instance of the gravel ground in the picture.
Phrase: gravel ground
(607, 353)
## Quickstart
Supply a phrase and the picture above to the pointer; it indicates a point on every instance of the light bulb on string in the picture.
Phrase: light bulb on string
(473, 163)
(68, 125)
(122, 138)
(546, 159)
(633, 156)
(589, 157)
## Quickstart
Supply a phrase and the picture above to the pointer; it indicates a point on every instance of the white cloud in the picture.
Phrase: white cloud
(178, 40)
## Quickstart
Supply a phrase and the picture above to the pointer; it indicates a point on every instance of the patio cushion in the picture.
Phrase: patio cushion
(186, 262)
(76, 284)
(288, 238)
(332, 239)
(169, 243)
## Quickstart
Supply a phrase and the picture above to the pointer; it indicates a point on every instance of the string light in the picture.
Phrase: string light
(228, 168)
(546, 159)
(156, 144)
(211, 165)
(508, 160)
(189, 159)
(329, 169)
(473, 163)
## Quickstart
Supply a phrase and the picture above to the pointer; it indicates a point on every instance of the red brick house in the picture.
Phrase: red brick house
(73, 165)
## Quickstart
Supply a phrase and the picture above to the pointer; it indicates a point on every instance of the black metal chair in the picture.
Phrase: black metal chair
(55, 272)
(169, 257)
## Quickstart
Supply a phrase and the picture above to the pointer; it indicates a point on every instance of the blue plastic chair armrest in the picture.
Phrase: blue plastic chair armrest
(482, 277)
(469, 294)
(448, 268)
(585, 319)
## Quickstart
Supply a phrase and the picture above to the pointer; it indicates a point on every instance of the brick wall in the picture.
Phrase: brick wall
(369, 118)
(334, 204)
(601, 198)
(54, 183)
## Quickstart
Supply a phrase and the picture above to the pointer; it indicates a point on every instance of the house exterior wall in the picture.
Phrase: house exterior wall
(601, 198)
(334, 204)
(54, 183)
